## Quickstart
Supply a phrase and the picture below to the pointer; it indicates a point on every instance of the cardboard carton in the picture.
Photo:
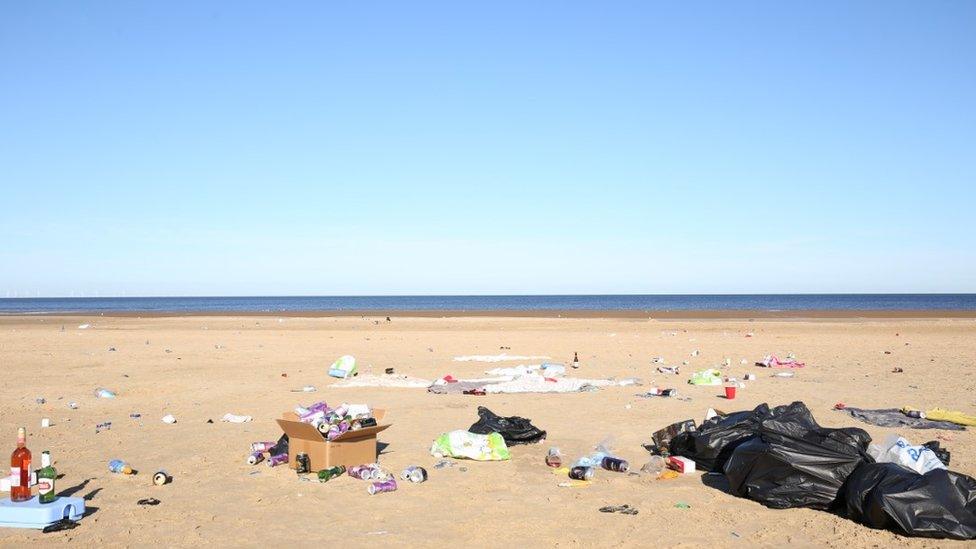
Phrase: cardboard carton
(350, 448)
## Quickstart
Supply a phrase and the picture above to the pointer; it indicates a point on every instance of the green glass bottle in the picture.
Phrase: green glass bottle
(46, 476)
(327, 474)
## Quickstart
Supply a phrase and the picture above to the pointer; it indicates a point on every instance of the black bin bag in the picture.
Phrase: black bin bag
(938, 504)
(794, 462)
(515, 430)
(711, 445)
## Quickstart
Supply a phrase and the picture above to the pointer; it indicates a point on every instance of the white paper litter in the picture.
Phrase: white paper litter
(496, 358)
(372, 380)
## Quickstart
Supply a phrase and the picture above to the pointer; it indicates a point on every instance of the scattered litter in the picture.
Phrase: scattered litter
(706, 377)
(63, 524)
(120, 467)
(104, 426)
(682, 505)
(45, 422)
(73, 405)
(467, 445)
(696, 352)
(622, 509)
(897, 370)
(414, 474)
(135, 416)
(40, 400)
(101, 392)
(770, 361)
(784, 374)
(675, 370)
(161, 478)
(896, 449)
(231, 418)
(168, 418)
(344, 367)
(658, 392)
(148, 501)
(496, 358)
(372, 380)
(305, 389)
(84, 326)
(111, 349)
(681, 464)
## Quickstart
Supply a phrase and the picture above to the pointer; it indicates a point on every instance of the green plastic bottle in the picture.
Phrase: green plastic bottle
(46, 476)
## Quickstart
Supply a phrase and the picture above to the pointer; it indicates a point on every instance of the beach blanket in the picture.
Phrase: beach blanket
(542, 384)
(461, 386)
(496, 358)
(770, 361)
(547, 369)
(532, 383)
(893, 417)
(371, 380)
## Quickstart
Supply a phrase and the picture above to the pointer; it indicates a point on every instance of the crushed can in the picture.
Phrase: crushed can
(414, 474)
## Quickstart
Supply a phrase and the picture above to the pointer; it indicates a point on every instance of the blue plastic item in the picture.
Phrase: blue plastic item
(33, 514)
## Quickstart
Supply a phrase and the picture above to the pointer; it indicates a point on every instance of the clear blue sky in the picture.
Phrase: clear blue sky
(215, 148)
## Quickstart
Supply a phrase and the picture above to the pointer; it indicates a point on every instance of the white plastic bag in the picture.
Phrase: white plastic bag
(896, 449)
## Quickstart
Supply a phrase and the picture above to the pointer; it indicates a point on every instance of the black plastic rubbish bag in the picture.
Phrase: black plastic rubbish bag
(280, 447)
(712, 444)
(794, 462)
(515, 430)
(938, 504)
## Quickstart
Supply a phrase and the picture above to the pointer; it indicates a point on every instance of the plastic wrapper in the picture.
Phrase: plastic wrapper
(466, 445)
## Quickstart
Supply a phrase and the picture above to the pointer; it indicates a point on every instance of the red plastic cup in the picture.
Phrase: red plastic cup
(730, 392)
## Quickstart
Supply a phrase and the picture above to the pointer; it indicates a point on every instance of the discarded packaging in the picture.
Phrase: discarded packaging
(681, 464)
(468, 445)
(343, 367)
(339, 447)
(120, 467)
(231, 418)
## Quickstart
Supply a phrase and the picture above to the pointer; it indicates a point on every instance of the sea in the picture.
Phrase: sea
(297, 304)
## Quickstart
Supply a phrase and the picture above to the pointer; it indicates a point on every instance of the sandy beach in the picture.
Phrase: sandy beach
(200, 367)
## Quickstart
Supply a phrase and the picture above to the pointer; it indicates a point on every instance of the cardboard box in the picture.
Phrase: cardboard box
(681, 464)
(350, 448)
